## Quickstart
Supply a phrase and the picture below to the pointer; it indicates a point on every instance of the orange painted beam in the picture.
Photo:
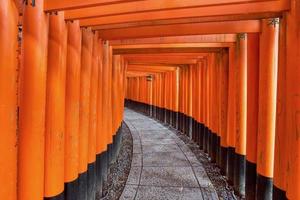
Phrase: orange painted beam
(165, 54)
(179, 45)
(163, 60)
(177, 39)
(146, 6)
(163, 67)
(55, 5)
(247, 26)
(206, 11)
(165, 50)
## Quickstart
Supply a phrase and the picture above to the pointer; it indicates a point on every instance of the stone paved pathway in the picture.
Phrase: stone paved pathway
(163, 167)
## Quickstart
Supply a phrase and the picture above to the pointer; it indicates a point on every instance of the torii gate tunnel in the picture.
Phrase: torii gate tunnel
(226, 73)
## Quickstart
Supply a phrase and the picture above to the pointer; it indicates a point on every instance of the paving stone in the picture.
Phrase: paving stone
(163, 166)
(136, 160)
(202, 177)
(134, 176)
(168, 176)
(129, 192)
(155, 141)
(137, 148)
(165, 159)
(161, 148)
(168, 193)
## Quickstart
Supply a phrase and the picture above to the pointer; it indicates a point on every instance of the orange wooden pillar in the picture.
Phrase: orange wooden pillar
(231, 128)
(212, 108)
(190, 100)
(252, 112)
(281, 156)
(204, 105)
(32, 103)
(55, 104)
(84, 116)
(223, 90)
(267, 107)
(200, 104)
(241, 115)
(293, 100)
(93, 119)
(109, 105)
(8, 99)
(105, 111)
(71, 148)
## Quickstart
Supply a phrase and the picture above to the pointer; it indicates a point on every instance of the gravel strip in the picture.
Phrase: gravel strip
(119, 171)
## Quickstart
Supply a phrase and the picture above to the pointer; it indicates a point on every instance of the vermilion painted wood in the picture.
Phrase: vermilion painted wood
(225, 27)
(93, 101)
(241, 95)
(237, 10)
(55, 104)
(252, 96)
(8, 99)
(55, 5)
(178, 39)
(85, 85)
(146, 6)
(267, 99)
(32, 103)
(72, 101)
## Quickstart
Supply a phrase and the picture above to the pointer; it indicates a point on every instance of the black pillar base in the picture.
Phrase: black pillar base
(61, 196)
(82, 186)
(279, 194)
(264, 187)
(218, 145)
(99, 180)
(71, 190)
(239, 174)
(104, 166)
(223, 160)
(230, 164)
(91, 181)
(250, 180)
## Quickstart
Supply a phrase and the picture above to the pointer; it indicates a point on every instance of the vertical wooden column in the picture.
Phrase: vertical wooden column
(55, 104)
(200, 105)
(252, 112)
(223, 89)
(8, 99)
(84, 116)
(293, 100)
(109, 105)
(231, 129)
(204, 105)
(268, 59)
(32, 103)
(241, 114)
(72, 110)
(190, 100)
(93, 119)
(100, 136)
(281, 156)
(105, 111)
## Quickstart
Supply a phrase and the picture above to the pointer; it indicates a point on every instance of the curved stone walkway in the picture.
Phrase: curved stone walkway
(163, 167)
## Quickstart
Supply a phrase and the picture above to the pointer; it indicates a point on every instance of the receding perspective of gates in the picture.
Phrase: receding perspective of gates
(223, 75)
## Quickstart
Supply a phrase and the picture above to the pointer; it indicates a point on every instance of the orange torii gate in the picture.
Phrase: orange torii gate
(61, 104)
